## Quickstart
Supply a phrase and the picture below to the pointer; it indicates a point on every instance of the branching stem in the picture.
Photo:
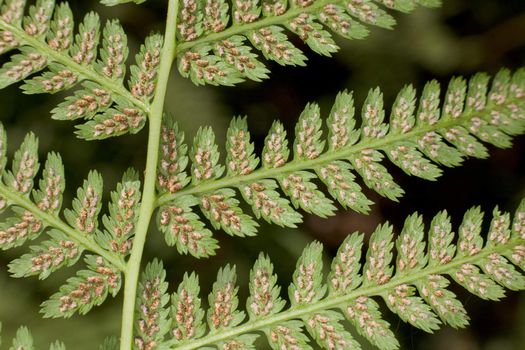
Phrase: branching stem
(325, 158)
(149, 194)
(85, 72)
(336, 301)
(264, 22)
(86, 242)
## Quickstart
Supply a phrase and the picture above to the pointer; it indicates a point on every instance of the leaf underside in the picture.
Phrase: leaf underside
(216, 37)
(35, 212)
(414, 286)
(420, 137)
(51, 58)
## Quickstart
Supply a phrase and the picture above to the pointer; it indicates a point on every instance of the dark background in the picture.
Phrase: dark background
(462, 38)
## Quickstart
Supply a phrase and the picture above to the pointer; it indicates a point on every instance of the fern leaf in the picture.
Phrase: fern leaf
(186, 309)
(307, 284)
(85, 103)
(151, 321)
(415, 287)
(47, 257)
(419, 138)
(25, 166)
(124, 119)
(123, 214)
(114, 52)
(287, 335)
(212, 52)
(223, 301)
(34, 212)
(172, 158)
(93, 57)
(87, 205)
(184, 229)
(264, 296)
(87, 289)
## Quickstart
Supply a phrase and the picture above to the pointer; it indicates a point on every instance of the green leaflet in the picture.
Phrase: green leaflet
(121, 222)
(109, 344)
(151, 314)
(87, 205)
(223, 301)
(264, 296)
(21, 66)
(143, 79)
(173, 158)
(204, 68)
(60, 35)
(184, 229)
(120, 120)
(186, 307)
(85, 103)
(90, 287)
(47, 257)
(25, 166)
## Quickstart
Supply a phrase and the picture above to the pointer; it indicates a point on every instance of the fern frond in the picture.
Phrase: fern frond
(419, 138)
(45, 39)
(212, 51)
(35, 211)
(414, 287)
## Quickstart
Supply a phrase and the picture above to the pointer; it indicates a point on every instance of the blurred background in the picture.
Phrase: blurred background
(461, 38)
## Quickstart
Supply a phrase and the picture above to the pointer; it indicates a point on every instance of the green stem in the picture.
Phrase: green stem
(339, 301)
(149, 195)
(325, 158)
(85, 72)
(87, 242)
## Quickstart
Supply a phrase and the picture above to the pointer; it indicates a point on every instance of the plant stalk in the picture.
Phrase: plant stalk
(149, 194)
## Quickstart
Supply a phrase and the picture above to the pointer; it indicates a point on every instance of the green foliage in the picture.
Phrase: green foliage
(90, 287)
(151, 320)
(45, 39)
(414, 287)
(35, 211)
(213, 51)
(213, 42)
(420, 137)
